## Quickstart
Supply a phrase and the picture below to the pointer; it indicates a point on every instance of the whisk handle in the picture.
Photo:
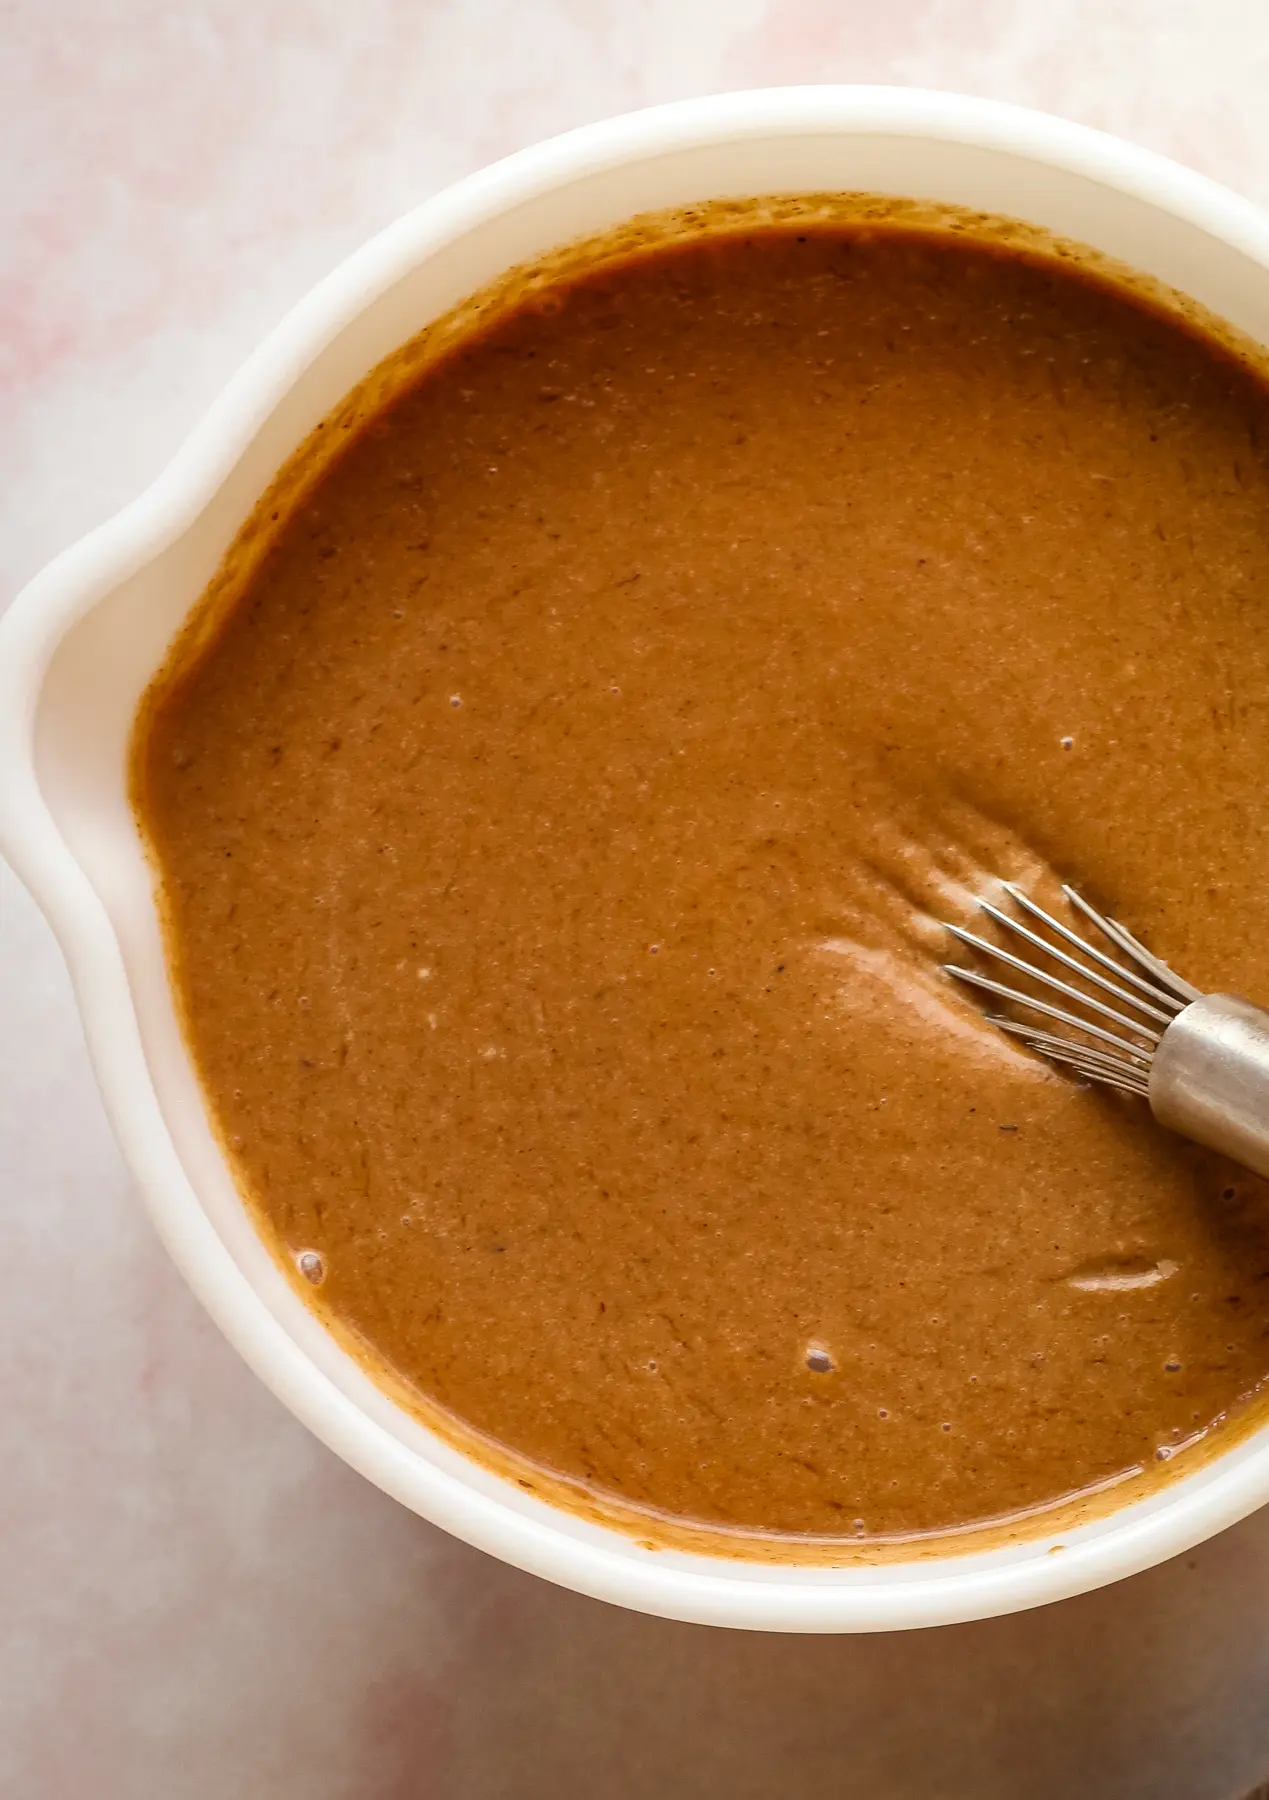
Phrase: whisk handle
(1210, 1078)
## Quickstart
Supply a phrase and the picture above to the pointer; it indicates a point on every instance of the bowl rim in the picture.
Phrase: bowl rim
(947, 1590)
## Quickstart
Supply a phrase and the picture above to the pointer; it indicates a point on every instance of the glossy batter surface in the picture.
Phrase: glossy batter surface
(553, 840)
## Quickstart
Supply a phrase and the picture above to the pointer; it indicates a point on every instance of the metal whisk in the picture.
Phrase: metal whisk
(1201, 1061)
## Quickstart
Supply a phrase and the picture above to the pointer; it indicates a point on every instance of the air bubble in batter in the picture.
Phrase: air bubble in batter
(311, 1267)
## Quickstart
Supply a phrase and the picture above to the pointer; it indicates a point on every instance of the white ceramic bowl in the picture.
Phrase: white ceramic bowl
(78, 647)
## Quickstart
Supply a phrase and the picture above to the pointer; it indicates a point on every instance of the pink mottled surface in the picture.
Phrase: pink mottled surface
(196, 1601)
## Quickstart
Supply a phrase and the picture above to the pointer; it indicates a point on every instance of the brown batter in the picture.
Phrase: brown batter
(553, 836)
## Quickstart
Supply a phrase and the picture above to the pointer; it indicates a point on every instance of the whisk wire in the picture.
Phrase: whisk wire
(1119, 934)
(1200, 1061)
(1069, 962)
(1084, 1046)
(1052, 982)
(1042, 1006)
(1091, 950)
(1093, 1064)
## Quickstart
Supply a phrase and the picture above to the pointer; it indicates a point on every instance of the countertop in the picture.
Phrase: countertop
(196, 1599)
